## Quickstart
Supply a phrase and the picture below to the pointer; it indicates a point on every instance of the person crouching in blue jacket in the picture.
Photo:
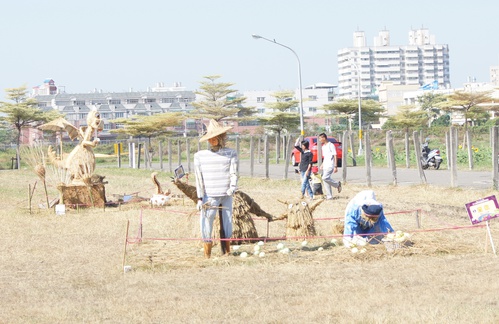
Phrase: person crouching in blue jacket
(364, 215)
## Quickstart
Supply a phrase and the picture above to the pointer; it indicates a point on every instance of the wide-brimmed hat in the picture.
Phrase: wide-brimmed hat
(214, 129)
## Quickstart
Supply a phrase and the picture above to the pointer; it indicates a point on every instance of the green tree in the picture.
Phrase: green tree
(443, 120)
(220, 101)
(284, 115)
(23, 112)
(148, 126)
(407, 118)
(429, 103)
(370, 110)
(471, 104)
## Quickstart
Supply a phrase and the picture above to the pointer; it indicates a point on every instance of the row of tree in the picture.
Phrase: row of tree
(220, 101)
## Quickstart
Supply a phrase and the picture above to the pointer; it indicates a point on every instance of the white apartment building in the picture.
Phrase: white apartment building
(161, 99)
(114, 105)
(313, 97)
(419, 63)
(494, 75)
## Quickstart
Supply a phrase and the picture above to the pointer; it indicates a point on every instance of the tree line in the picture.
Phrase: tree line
(220, 101)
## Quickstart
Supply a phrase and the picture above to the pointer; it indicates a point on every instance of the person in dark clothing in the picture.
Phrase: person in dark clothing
(305, 166)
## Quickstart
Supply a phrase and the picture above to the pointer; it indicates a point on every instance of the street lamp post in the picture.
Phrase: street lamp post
(361, 152)
(299, 76)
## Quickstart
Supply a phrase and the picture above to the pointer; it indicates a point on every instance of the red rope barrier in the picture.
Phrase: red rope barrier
(139, 238)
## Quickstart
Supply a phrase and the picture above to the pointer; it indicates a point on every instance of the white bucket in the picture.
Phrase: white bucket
(60, 209)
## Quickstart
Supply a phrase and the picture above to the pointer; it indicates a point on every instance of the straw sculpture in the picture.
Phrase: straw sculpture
(300, 221)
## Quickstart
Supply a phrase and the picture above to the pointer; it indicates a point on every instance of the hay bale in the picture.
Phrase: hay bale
(92, 195)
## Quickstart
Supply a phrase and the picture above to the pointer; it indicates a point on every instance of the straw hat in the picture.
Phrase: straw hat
(214, 129)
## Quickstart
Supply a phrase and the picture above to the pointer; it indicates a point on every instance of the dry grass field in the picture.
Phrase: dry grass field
(69, 268)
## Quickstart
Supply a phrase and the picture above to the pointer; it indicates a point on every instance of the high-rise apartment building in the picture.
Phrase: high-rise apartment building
(422, 62)
(494, 75)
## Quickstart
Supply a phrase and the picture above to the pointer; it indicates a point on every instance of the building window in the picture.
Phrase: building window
(79, 103)
(261, 110)
(260, 99)
(249, 123)
(148, 100)
(132, 101)
(107, 126)
(312, 98)
(119, 115)
(105, 115)
(312, 109)
(115, 102)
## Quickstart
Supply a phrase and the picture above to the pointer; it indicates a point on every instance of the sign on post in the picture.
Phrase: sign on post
(483, 209)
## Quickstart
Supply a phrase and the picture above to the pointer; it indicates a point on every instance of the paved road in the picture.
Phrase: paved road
(382, 176)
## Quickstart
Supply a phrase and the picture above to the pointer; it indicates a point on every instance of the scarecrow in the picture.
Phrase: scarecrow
(364, 215)
(216, 183)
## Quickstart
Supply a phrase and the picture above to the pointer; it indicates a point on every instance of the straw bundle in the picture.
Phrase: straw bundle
(40, 171)
(338, 227)
(247, 205)
(187, 189)
(244, 208)
(300, 220)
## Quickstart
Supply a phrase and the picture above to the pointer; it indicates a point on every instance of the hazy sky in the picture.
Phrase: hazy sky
(115, 45)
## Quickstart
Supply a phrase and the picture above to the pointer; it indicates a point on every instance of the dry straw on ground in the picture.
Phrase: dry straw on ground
(69, 268)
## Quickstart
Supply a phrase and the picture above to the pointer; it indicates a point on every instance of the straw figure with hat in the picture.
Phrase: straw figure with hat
(363, 216)
(216, 183)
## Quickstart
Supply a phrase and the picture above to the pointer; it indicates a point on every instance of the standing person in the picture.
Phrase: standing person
(364, 215)
(305, 166)
(216, 182)
(329, 166)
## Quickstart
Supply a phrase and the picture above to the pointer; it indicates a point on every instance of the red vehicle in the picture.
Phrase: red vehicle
(296, 155)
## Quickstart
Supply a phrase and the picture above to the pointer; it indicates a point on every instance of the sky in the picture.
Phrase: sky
(118, 45)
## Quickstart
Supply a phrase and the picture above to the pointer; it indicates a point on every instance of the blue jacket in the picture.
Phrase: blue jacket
(356, 225)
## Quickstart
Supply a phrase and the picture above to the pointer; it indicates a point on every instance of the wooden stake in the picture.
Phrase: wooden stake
(486, 241)
(31, 192)
(491, 240)
(46, 194)
(126, 241)
(29, 198)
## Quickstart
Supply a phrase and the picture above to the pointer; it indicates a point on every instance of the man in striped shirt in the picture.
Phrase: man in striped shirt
(216, 182)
